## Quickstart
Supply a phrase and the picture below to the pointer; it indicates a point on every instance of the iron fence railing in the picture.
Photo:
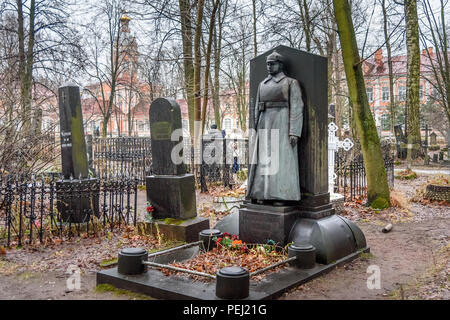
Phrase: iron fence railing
(31, 207)
(220, 158)
(130, 156)
(351, 176)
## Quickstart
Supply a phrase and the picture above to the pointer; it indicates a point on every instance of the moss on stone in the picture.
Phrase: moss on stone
(101, 288)
(380, 203)
(173, 221)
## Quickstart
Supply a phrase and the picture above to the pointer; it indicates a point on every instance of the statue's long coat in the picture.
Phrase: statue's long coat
(270, 179)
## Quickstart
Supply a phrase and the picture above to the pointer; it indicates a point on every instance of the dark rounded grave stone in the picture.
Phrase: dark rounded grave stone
(305, 253)
(130, 261)
(207, 236)
(232, 283)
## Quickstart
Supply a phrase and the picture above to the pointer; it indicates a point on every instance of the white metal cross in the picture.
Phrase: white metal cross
(333, 145)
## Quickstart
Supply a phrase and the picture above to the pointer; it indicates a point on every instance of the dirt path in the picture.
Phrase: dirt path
(402, 255)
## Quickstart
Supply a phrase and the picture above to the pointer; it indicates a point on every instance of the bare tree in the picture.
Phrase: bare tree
(435, 31)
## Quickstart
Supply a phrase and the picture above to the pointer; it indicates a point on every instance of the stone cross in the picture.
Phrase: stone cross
(73, 145)
(333, 145)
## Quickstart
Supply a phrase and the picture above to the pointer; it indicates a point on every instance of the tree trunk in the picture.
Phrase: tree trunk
(412, 81)
(197, 80)
(391, 73)
(208, 63)
(255, 41)
(186, 35)
(377, 184)
(306, 23)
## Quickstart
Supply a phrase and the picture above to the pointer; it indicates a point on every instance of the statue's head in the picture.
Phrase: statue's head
(274, 63)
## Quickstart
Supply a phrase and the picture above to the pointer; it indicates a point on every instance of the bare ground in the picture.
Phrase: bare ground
(413, 259)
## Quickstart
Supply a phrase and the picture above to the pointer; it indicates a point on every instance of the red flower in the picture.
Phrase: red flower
(150, 209)
(226, 234)
(234, 237)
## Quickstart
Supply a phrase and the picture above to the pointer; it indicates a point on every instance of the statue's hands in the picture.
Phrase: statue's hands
(293, 140)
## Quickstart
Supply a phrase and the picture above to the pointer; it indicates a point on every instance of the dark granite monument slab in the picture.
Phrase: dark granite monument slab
(186, 230)
(310, 71)
(77, 195)
(172, 196)
(260, 223)
(171, 190)
(314, 221)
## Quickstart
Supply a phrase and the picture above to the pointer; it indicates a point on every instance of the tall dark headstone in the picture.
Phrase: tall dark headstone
(73, 145)
(170, 189)
(311, 72)
(77, 194)
(312, 220)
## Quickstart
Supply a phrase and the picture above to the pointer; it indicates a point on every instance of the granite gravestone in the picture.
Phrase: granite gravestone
(433, 140)
(312, 219)
(77, 194)
(170, 189)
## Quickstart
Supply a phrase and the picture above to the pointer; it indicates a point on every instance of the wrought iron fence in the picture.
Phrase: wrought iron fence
(221, 159)
(130, 156)
(351, 176)
(38, 208)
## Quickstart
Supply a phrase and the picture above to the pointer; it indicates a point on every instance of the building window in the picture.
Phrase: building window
(227, 124)
(385, 122)
(369, 94)
(385, 93)
(401, 93)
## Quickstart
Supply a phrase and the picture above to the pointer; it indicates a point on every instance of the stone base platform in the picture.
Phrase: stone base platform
(180, 230)
(172, 196)
(155, 284)
(260, 223)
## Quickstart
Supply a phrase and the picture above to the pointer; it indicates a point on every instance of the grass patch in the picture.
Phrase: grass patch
(406, 175)
(102, 288)
(173, 221)
(365, 256)
(108, 262)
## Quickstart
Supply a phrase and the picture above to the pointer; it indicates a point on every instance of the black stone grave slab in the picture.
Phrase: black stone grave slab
(260, 223)
(77, 195)
(157, 285)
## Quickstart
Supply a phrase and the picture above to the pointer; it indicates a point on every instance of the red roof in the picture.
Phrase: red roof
(377, 65)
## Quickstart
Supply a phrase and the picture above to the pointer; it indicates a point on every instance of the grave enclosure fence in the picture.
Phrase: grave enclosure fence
(221, 160)
(351, 176)
(29, 207)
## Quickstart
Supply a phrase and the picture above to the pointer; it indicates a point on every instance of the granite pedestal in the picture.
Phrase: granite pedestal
(260, 223)
(186, 230)
(172, 196)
